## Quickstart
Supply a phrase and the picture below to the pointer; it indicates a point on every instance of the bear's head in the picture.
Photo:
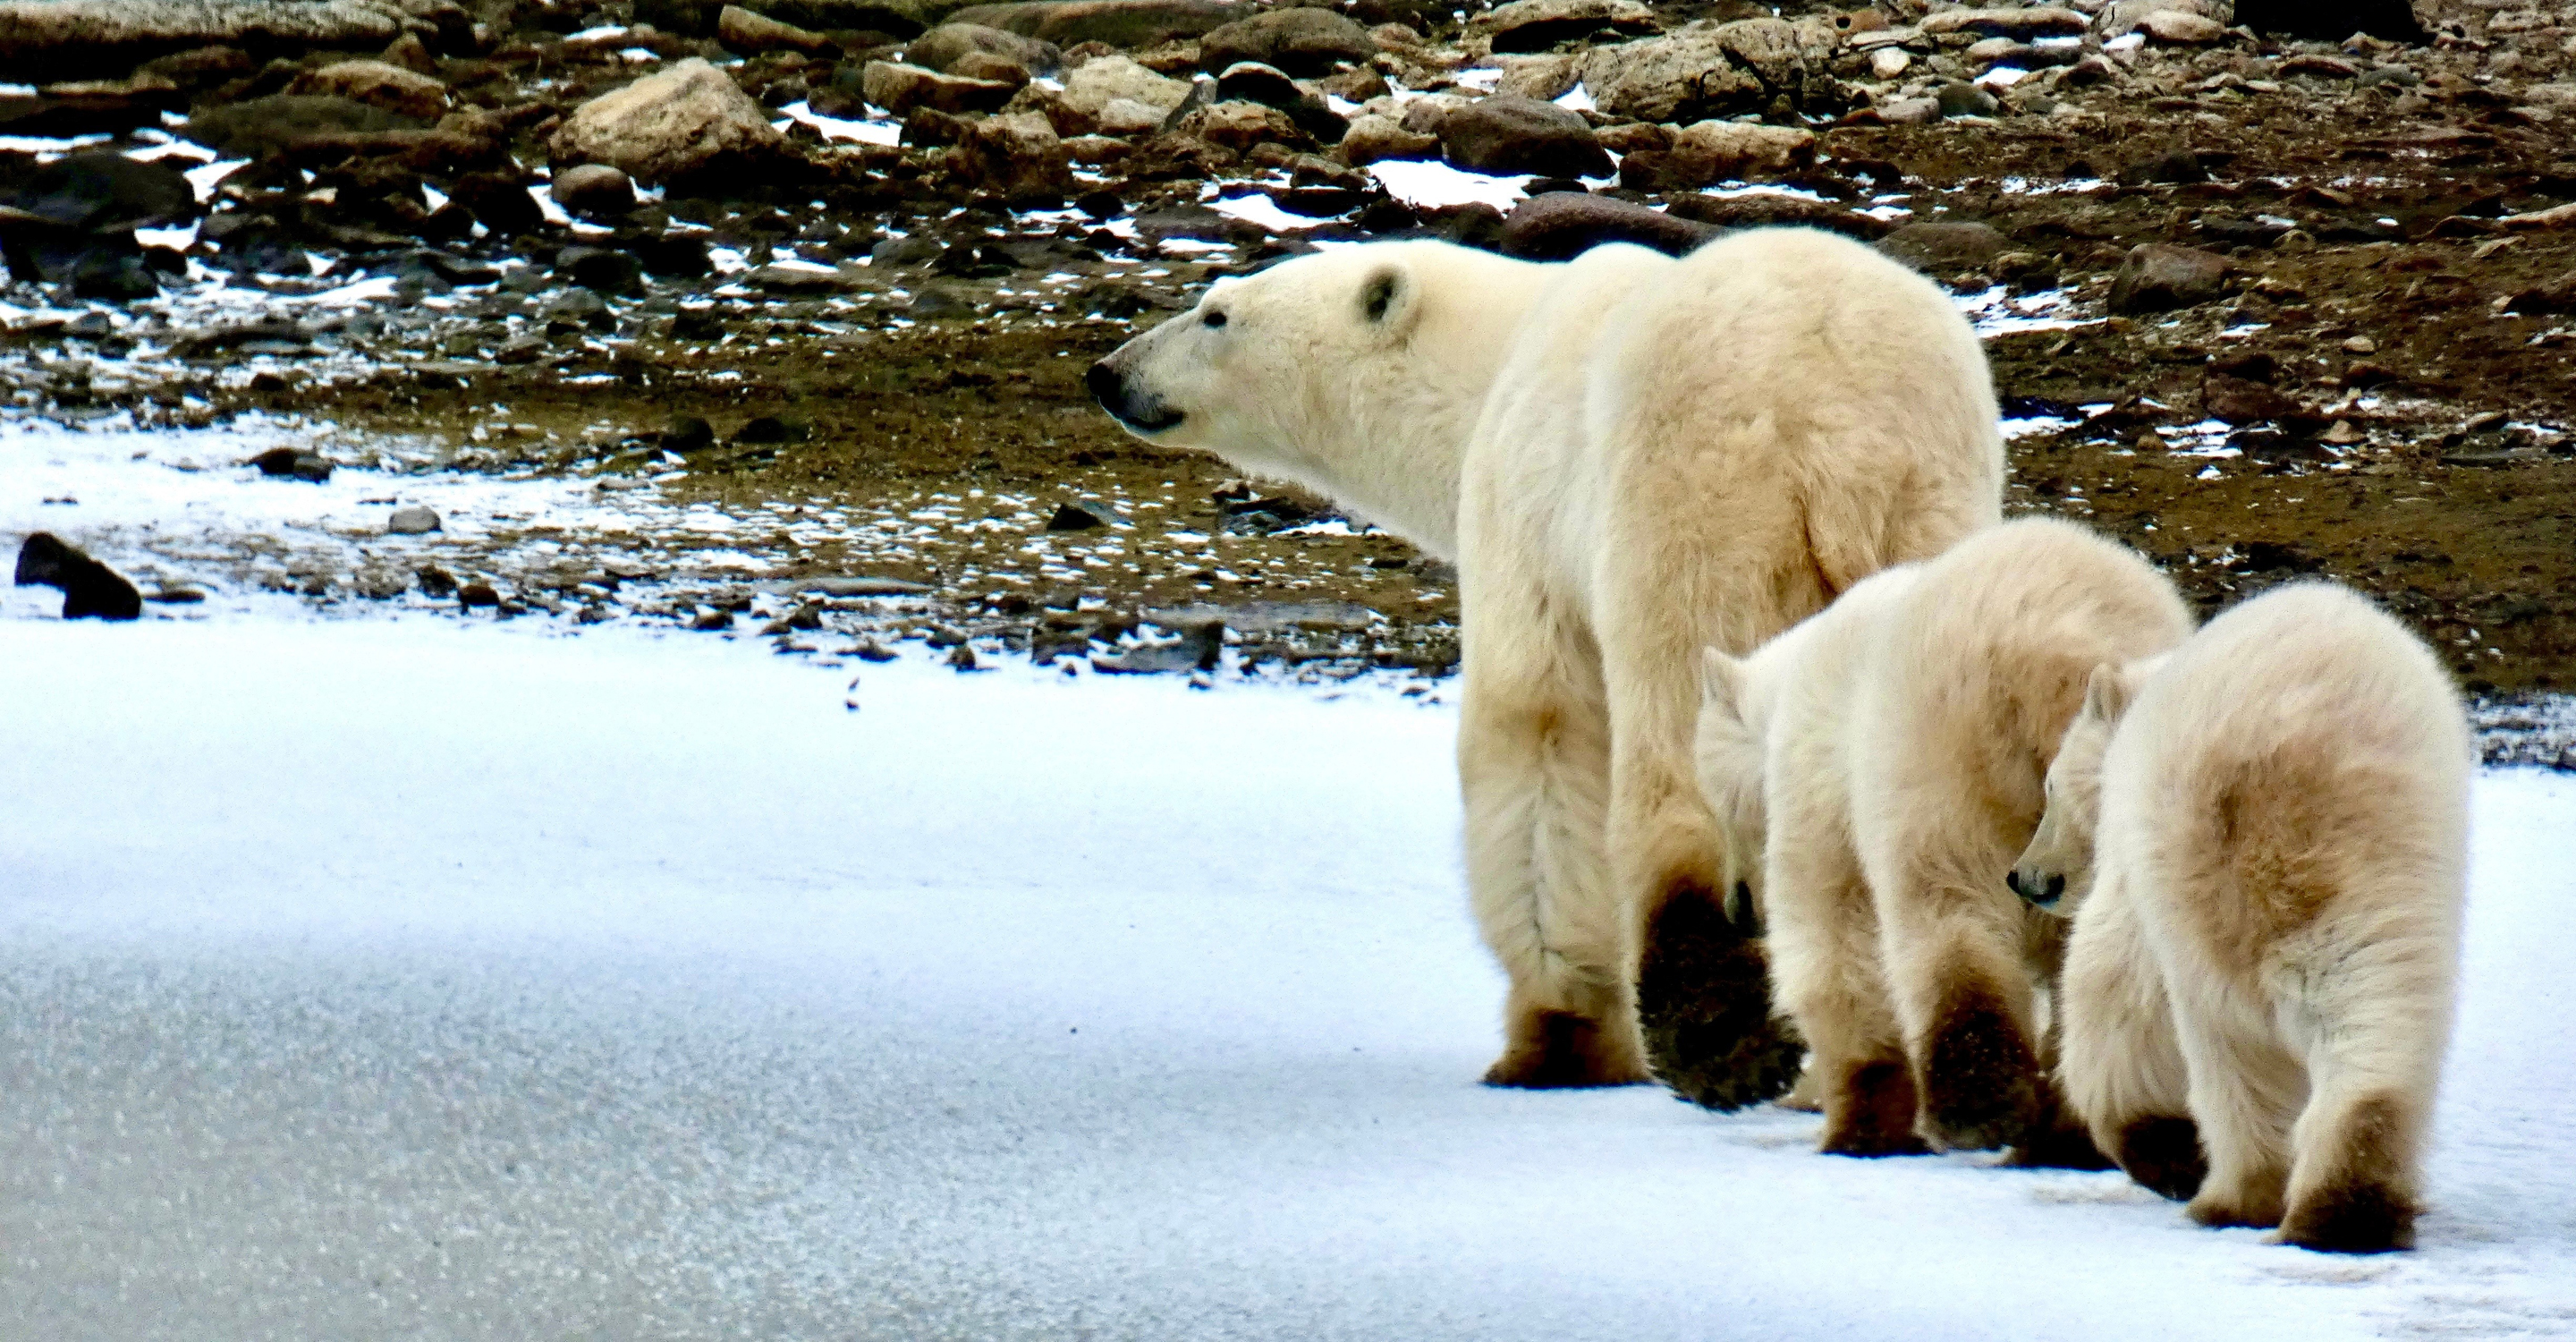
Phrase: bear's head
(2056, 871)
(1731, 754)
(1357, 372)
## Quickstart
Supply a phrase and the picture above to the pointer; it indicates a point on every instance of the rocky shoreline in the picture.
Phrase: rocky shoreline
(2269, 289)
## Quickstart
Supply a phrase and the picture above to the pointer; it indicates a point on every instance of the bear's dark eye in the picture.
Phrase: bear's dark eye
(1213, 319)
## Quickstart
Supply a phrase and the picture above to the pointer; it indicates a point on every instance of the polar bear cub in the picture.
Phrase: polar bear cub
(1878, 768)
(2261, 838)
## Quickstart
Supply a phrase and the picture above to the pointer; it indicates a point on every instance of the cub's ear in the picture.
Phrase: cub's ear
(1721, 684)
(2108, 692)
(1390, 297)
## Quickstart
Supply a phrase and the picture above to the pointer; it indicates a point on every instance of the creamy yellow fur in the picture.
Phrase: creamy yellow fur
(1887, 759)
(1630, 457)
(2263, 838)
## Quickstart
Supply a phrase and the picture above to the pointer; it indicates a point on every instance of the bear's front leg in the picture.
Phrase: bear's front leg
(1533, 763)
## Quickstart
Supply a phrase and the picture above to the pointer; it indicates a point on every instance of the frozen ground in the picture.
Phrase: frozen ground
(392, 979)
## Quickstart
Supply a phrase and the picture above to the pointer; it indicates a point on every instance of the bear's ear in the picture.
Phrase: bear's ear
(2107, 693)
(1389, 297)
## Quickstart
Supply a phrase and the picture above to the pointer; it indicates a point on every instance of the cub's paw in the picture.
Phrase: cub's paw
(1980, 1078)
(1558, 1050)
(2163, 1156)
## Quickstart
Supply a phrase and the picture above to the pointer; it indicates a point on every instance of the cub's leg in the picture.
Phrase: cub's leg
(1824, 964)
(2120, 1065)
(2380, 1016)
(1954, 964)
(2246, 1089)
(1533, 765)
(2058, 1138)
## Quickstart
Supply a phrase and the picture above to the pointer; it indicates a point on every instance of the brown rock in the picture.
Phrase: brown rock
(1941, 248)
(2159, 277)
(742, 31)
(593, 191)
(1304, 42)
(900, 88)
(687, 120)
(376, 84)
(1240, 126)
(1561, 225)
(1708, 152)
(1016, 154)
(1538, 25)
(942, 47)
(1374, 138)
(76, 39)
(1507, 134)
(1122, 24)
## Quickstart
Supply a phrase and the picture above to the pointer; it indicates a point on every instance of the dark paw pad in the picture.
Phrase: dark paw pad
(2353, 1218)
(1873, 1114)
(2058, 1148)
(1980, 1078)
(2163, 1156)
(1566, 1054)
(1704, 1006)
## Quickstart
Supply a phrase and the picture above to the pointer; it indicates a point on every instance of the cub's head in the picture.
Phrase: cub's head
(1263, 370)
(2056, 872)
(1730, 754)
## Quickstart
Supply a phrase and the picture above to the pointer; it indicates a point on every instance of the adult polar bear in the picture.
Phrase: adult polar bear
(1629, 457)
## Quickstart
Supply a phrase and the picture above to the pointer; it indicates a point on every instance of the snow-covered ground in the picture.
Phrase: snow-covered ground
(401, 979)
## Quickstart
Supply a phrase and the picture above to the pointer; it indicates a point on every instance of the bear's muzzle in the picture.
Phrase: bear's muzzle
(1136, 414)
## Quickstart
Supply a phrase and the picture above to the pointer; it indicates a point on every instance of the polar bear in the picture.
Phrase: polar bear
(1629, 456)
(2261, 837)
(1879, 767)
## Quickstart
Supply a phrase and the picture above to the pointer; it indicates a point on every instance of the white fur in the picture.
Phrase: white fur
(2267, 911)
(1886, 758)
(1630, 457)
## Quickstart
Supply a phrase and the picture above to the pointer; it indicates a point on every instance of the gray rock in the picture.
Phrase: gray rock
(690, 120)
(899, 88)
(71, 39)
(2022, 24)
(2160, 277)
(1120, 23)
(1701, 73)
(594, 191)
(1306, 43)
(743, 31)
(862, 586)
(1942, 248)
(1506, 134)
(266, 125)
(1959, 99)
(941, 48)
(416, 520)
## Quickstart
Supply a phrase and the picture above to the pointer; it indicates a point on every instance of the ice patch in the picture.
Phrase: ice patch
(1432, 184)
(837, 128)
(1264, 211)
(203, 178)
(1577, 99)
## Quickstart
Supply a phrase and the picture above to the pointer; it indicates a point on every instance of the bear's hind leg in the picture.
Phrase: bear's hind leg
(2245, 1088)
(1533, 765)
(2352, 1186)
(1824, 967)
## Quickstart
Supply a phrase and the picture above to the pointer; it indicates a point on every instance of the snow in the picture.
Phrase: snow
(1431, 184)
(373, 979)
(1264, 211)
(839, 128)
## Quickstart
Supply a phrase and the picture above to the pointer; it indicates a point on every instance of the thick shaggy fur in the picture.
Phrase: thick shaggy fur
(1630, 457)
(1887, 759)
(2261, 838)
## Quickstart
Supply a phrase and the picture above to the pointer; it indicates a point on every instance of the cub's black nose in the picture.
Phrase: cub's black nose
(1106, 386)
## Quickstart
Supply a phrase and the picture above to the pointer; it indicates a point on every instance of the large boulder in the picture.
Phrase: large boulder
(102, 192)
(1708, 152)
(894, 18)
(1105, 79)
(743, 31)
(1507, 134)
(1561, 225)
(1120, 23)
(942, 47)
(74, 39)
(687, 121)
(1372, 138)
(2332, 20)
(377, 84)
(2160, 277)
(900, 88)
(1756, 65)
(269, 125)
(1016, 155)
(1304, 42)
(2024, 24)
(1538, 25)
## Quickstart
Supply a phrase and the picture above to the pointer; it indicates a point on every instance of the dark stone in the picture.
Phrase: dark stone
(668, 255)
(1958, 99)
(1767, 211)
(285, 462)
(1120, 23)
(1559, 226)
(273, 124)
(688, 434)
(1511, 134)
(500, 202)
(774, 429)
(2160, 277)
(90, 589)
(435, 582)
(475, 594)
(103, 192)
(601, 270)
(1079, 516)
(2180, 167)
(2332, 20)
(2240, 400)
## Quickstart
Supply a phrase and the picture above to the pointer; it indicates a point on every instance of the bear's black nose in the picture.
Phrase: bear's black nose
(2056, 887)
(2012, 880)
(1106, 386)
